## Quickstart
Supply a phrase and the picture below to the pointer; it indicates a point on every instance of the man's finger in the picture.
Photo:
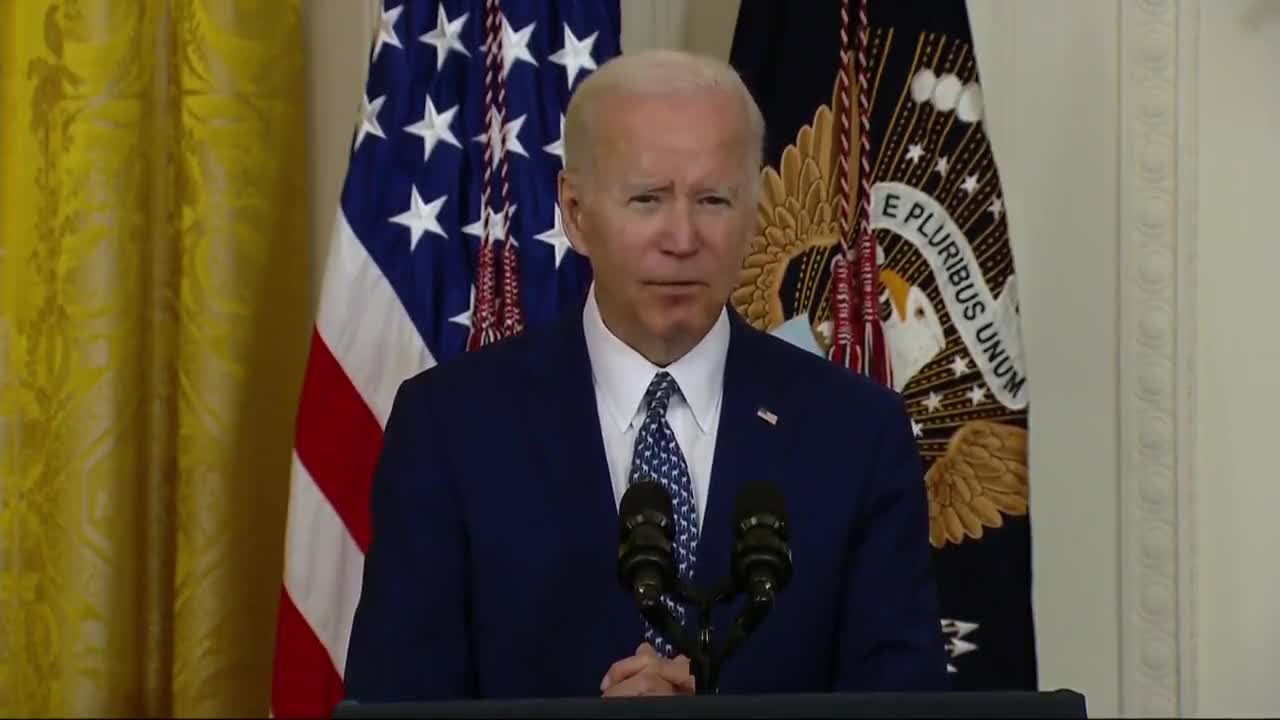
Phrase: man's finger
(676, 671)
(627, 667)
(647, 683)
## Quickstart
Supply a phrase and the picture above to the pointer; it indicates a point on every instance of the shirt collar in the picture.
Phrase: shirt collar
(622, 375)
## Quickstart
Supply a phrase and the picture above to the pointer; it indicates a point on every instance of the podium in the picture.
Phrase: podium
(1048, 704)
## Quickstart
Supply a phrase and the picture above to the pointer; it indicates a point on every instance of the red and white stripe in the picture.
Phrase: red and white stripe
(363, 346)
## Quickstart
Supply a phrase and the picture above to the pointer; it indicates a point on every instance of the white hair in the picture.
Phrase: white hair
(656, 72)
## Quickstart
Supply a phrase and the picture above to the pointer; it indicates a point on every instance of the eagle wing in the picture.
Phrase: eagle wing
(981, 477)
(798, 210)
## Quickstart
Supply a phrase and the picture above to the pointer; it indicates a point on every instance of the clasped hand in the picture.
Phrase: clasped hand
(648, 673)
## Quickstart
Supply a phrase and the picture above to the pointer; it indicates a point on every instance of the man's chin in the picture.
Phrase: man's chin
(681, 331)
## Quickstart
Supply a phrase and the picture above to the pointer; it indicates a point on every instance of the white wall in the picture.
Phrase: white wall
(1139, 145)
(1237, 392)
(1050, 82)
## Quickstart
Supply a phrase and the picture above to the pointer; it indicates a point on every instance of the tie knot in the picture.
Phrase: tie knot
(659, 393)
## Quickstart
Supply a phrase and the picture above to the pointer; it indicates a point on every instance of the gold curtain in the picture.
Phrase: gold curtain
(154, 317)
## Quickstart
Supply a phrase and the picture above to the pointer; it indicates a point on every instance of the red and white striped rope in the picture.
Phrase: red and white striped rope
(843, 109)
(867, 264)
(512, 314)
(842, 350)
(484, 316)
(857, 336)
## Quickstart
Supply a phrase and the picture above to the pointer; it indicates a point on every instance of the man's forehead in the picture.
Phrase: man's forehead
(617, 106)
(643, 181)
(630, 131)
(649, 146)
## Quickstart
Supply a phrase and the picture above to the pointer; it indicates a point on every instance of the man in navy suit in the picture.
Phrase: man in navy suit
(495, 574)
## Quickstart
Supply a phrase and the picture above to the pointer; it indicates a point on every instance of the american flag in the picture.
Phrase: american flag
(448, 236)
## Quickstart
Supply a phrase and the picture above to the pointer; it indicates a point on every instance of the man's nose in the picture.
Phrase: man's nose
(681, 236)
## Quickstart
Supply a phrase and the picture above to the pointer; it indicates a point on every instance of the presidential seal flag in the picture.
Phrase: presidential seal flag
(883, 244)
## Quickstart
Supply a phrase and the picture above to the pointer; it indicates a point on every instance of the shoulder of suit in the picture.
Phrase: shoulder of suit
(485, 370)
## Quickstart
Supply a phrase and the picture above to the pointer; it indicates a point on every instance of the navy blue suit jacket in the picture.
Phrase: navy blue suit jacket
(493, 566)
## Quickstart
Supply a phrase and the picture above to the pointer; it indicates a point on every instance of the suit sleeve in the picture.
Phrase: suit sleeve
(890, 637)
(409, 638)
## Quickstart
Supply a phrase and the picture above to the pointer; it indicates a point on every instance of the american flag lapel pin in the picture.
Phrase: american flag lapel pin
(767, 416)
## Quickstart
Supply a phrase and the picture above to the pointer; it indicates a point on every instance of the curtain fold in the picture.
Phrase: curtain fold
(154, 318)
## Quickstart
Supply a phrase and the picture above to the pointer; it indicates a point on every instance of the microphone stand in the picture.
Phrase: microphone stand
(705, 660)
(645, 567)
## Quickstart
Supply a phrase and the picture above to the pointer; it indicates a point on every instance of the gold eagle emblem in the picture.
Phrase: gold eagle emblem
(981, 474)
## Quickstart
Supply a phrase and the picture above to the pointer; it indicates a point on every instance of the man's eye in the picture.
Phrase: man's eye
(716, 200)
(644, 199)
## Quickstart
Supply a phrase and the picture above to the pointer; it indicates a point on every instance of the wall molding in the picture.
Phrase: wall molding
(1158, 220)
(653, 24)
(669, 22)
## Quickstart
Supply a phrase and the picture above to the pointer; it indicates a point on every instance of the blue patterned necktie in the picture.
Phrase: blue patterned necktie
(657, 457)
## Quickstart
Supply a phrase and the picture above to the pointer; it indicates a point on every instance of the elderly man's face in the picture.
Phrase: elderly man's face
(665, 215)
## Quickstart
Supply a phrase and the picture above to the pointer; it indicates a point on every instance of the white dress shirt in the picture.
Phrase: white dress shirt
(621, 375)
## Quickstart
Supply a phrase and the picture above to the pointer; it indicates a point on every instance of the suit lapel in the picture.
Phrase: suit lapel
(747, 447)
(577, 472)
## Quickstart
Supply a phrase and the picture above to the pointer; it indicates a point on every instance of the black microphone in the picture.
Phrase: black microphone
(646, 564)
(762, 552)
(761, 557)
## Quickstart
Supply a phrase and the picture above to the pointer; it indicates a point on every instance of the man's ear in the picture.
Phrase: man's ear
(569, 197)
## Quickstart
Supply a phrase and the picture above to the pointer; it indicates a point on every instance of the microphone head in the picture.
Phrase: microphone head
(760, 504)
(646, 527)
(761, 552)
(645, 502)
